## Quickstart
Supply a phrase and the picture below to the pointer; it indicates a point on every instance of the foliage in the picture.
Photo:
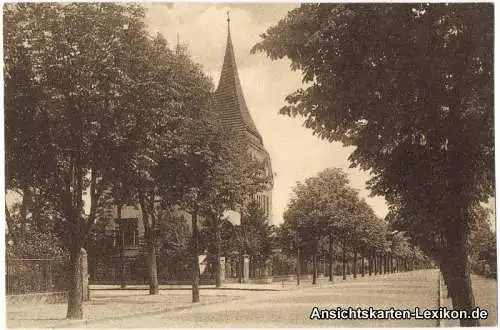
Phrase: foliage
(35, 275)
(37, 245)
(325, 205)
(36, 257)
(33, 233)
(254, 234)
(174, 244)
(283, 264)
(228, 238)
(92, 103)
(410, 86)
(173, 233)
(483, 252)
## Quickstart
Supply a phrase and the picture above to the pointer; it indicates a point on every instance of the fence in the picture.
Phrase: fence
(35, 275)
(134, 270)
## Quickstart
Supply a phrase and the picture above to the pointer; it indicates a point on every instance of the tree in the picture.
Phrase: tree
(326, 206)
(93, 104)
(411, 87)
(200, 194)
(64, 87)
(218, 241)
(170, 132)
(174, 243)
(255, 234)
(236, 177)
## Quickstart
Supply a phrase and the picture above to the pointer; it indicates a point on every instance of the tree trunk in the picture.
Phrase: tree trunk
(218, 268)
(375, 269)
(446, 277)
(315, 268)
(75, 294)
(297, 268)
(458, 269)
(36, 217)
(150, 236)
(370, 264)
(122, 247)
(196, 265)
(362, 265)
(330, 261)
(152, 267)
(355, 263)
(240, 267)
(343, 261)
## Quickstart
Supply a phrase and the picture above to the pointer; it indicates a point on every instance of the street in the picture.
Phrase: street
(282, 305)
(293, 308)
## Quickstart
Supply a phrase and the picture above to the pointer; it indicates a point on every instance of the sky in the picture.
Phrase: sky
(295, 153)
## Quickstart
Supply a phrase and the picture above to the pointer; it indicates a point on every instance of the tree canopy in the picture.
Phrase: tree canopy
(410, 86)
(325, 204)
(95, 105)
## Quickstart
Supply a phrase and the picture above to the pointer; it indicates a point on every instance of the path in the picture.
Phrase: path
(243, 308)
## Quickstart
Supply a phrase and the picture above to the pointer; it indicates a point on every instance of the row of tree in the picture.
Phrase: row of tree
(98, 113)
(327, 217)
(410, 86)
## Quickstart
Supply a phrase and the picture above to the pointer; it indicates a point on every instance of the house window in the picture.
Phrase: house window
(128, 231)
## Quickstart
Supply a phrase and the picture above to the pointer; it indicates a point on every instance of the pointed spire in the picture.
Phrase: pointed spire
(229, 97)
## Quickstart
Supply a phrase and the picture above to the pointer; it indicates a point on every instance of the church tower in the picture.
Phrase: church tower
(229, 102)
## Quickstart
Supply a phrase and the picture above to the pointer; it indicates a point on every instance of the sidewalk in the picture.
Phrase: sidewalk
(292, 308)
(110, 302)
(274, 286)
(187, 287)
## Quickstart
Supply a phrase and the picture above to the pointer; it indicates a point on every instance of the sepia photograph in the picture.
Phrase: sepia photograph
(249, 165)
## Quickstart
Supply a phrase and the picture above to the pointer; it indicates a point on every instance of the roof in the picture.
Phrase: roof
(228, 98)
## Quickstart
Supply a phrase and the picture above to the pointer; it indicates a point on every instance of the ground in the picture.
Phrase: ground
(280, 305)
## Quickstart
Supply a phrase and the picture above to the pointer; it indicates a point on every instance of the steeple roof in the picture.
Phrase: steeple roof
(228, 99)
